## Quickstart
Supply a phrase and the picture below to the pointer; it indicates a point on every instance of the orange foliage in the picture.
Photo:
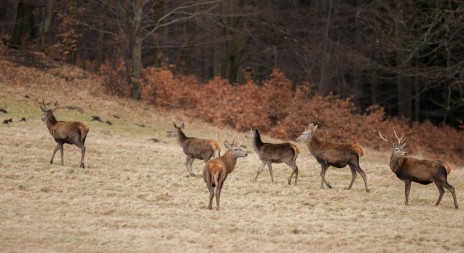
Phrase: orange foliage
(277, 110)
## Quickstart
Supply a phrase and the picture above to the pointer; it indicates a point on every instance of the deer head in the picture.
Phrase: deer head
(307, 133)
(398, 149)
(48, 113)
(234, 147)
(173, 133)
(251, 134)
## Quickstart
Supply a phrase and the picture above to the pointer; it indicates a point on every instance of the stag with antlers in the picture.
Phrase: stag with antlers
(64, 132)
(409, 170)
(216, 170)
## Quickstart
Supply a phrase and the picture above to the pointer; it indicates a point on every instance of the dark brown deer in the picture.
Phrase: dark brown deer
(333, 154)
(424, 172)
(65, 132)
(195, 148)
(217, 169)
(274, 153)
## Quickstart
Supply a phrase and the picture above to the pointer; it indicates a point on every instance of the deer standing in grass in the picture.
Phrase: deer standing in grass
(65, 132)
(195, 148)
(274, 153)
(409, 170)
(333, 154)
(217, 169)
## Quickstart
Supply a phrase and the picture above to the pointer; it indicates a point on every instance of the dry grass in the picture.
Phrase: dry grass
(134, 195)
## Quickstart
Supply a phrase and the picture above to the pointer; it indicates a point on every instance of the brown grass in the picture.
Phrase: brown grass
(134, 195)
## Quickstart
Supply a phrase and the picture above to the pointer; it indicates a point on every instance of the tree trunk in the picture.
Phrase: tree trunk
(45, 26)
(100, 50)
(137, 49)
(325, 80)
(402, 84)
(24, 25)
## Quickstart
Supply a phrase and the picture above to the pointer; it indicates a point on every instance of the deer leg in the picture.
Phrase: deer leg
(261, 167)
(269, 165)
(294, 171)
(323, 181)
(191, 166)
(441, 191)
(61, 152)
(353, 176)
(211, 196)
(407, 189)
(187, 163)
(453, 192)
(82, 147)
(54, 152)
(218, 194)
(363, 175)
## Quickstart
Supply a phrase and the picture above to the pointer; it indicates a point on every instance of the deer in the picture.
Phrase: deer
(270, 153)
(194, 148)
(338, 155)
(424, 172)
(64, 132)
(216, 170)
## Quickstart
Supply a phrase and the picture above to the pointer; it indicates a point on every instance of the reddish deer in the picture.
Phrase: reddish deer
(217, 169)
(333, 154)
(424, 172)
(274, 153)
(64, 132)
(195, 148)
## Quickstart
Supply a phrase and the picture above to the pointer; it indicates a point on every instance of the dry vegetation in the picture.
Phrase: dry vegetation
(134, 195)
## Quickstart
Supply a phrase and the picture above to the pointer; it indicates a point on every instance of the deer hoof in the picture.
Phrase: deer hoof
(82, 165)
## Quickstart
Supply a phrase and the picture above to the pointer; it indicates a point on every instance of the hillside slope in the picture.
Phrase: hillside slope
(134, 195)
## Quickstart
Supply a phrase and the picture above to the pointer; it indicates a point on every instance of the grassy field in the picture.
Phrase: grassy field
(135, 196)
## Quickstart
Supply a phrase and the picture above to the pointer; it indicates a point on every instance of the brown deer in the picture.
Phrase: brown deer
(65, 132)
(274, 153)
(333, 154)
(423, 172)
(194, 148)
(217, 169)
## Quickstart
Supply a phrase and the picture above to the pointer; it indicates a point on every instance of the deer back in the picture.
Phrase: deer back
(281, 152)
(421, 171)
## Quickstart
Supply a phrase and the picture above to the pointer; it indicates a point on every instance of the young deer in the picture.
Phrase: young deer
(195, 148)
(333, 154)
(64, 132)
(424, 172)
(274, 153)
(217, 169)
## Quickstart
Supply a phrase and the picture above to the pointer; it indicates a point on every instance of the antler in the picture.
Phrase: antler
(401, 139)
(226, 141)
(385, 139)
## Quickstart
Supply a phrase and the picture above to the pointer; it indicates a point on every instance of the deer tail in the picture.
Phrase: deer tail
(296, 151)
(217, 149)
(447, 167)
(84, 130)
(358, 149)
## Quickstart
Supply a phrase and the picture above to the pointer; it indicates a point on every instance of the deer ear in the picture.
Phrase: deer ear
(174, 124)
(182, 125)
(226, 145)
(315, 128)
(43, 109)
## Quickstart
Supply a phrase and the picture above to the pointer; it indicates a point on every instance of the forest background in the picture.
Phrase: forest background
(352, 67)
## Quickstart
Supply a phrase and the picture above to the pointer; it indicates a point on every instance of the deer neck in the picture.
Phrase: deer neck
(230, 161)
(313, 143)
(181, 137)
(50, 122)
(257, 142)
(396, 162)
